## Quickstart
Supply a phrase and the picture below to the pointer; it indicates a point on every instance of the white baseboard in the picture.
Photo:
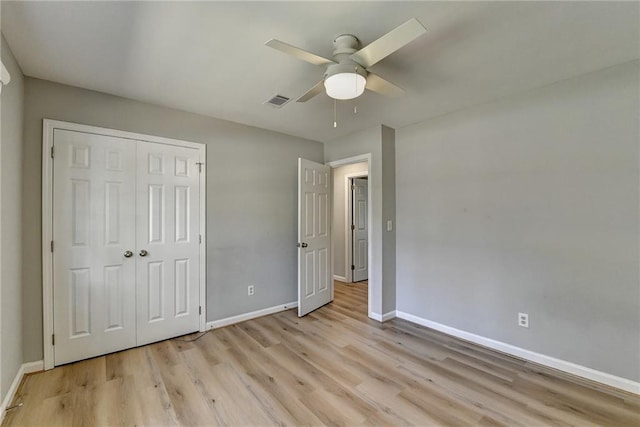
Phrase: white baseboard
(32, 367)
(214, 324)
(383, 317)
(552, 362)
(26, 368)
(339, 278)
(388, 316)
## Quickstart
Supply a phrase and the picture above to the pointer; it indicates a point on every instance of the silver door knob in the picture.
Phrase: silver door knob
(302, 245)
(128, 254)
(144, 253)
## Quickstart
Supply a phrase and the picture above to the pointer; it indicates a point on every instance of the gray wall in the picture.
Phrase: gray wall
(251, 197)
(339, 208)
(11, 356)
(388, 151)
(377, 141)
(529, 204)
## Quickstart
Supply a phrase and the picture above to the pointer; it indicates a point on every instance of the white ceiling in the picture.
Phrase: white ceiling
(209, 58)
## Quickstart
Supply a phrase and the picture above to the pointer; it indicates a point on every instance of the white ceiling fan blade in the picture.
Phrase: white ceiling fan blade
(389, 43)
(377, 84)
(298, 53)
(317, 89)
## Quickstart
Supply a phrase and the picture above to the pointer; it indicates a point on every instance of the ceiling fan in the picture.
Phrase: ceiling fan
(347, 75)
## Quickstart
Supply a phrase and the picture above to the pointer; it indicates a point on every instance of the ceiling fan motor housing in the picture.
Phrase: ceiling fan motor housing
(344, 46)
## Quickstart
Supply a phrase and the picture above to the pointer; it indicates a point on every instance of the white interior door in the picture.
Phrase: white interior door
(315, 282)
(94, 227)
(360, 230)
(167, 231)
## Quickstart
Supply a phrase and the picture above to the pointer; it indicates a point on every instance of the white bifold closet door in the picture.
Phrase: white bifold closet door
(94, 225)
(125, 232)
(167, 230)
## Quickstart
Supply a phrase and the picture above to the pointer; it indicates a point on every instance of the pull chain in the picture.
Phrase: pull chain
(335, 115)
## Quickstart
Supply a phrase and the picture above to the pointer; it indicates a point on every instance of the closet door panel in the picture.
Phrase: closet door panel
(167, 234)
(93, 227)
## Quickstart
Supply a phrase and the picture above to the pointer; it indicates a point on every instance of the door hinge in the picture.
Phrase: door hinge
(353, 227)
(200, 238)
(53, 339)
(353, 187)
(199, 166)
(200, 310)
(52, 246)
(353, 267)
(52, 152)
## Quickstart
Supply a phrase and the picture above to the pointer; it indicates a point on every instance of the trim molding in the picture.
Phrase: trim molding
(541, 359)
(383, 317)
(339, 278)
(390, 315)
(25, 368)
(215, 324)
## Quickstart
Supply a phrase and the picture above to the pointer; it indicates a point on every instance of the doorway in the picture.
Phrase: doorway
(344, 226)
(351, 219)
(313, 189)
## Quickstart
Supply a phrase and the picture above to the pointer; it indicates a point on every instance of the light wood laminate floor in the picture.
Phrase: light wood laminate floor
(334, 367)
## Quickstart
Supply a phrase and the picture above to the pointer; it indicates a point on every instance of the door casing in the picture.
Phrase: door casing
(48, 127)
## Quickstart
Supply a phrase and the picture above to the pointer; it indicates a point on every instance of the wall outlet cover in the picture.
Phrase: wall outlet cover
(523, 320)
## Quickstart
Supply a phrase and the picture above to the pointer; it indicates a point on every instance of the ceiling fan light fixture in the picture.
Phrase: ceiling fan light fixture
(345, 85)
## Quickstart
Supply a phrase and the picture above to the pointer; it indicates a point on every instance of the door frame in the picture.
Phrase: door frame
(48, 128)
(348, 161)
(348, 241)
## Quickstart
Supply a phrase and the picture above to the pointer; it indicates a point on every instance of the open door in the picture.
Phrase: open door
(314, 237)
(360, 230)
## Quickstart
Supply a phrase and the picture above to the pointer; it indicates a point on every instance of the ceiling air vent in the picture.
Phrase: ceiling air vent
(277, 101)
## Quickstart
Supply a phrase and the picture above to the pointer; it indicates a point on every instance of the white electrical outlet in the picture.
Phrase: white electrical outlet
(523, 320)
(250, 290)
